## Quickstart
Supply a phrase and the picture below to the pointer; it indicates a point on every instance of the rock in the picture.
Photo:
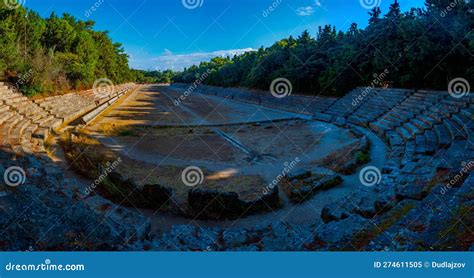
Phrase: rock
(349, 167)
(340, 238)
(306, 191)
(148, 196)
(157, 195)
(214, 204)
(298, 174)
(42, 215)
(189, 238)
(336, 211)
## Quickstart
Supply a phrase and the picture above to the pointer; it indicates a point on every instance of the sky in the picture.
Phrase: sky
(173, 34)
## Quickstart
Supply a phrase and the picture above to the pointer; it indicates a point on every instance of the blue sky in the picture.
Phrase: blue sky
(161, 34)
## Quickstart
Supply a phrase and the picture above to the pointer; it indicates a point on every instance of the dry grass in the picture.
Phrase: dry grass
(85, 153)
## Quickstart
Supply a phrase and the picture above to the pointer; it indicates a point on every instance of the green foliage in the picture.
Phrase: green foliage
(422, 48)
(43, 55)
(142, 76)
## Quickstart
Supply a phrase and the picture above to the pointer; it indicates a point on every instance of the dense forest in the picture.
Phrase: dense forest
(42, 55)
(157, 76)
(421, 48)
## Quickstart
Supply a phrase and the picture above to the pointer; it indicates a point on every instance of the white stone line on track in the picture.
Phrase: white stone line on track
(233, 141)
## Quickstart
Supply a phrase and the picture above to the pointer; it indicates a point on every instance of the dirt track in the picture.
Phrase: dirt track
(147, 127)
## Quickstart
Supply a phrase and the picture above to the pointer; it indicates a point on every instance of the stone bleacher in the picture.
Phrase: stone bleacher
(426, 184)
(413, 123)
(363, 105)
(293, 103)
(25, 124)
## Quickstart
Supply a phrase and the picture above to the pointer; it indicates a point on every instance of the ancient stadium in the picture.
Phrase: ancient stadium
(202, 168)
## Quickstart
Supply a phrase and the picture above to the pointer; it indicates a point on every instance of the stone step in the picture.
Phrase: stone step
(412, 129)
(52, 123)
(438, 118)
(441, 112)
(13, 120)
(469, 113)
(401, 114)
(456, 129)
(16, 132)
(4, 116)
(456, 103)
(463, 121)
(420, 125)
(394, 138)
(432, 142)
(445, 137)
(404, 133)
(12, 101)
(7, 95)
(420, 144)
(28, 133)
(427, 120)
(41, 133)
(4, 109)
(44, 120)
(379, 128)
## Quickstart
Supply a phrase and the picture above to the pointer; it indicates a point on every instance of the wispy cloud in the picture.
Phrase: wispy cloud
(305, 11)
(168, 60)
(309, 10)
